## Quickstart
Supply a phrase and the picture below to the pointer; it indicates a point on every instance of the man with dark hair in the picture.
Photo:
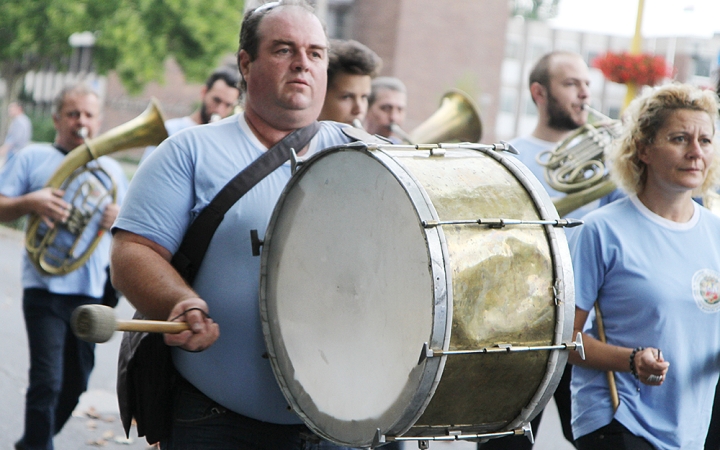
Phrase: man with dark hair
(560, 88)
(227, 395)
(60, 363)
(218, 98)
(386, 107)
(351, 68)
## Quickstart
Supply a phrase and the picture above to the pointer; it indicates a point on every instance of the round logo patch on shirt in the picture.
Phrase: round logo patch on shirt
(706, 290)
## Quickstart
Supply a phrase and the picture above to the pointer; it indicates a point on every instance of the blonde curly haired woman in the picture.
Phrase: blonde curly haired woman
(651, 262)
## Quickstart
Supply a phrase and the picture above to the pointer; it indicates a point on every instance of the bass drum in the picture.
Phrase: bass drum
(355, 280)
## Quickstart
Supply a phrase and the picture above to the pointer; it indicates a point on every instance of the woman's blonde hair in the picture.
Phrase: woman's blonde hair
(644, 118)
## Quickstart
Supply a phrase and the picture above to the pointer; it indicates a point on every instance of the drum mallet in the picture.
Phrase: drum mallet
(97, 323)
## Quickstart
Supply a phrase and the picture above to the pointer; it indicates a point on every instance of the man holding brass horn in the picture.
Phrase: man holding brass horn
(560, 89)
(60, 364)
(651, 262)
(223, 370)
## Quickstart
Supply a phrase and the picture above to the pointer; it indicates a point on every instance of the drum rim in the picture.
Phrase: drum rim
(562, 273)
(440, 334)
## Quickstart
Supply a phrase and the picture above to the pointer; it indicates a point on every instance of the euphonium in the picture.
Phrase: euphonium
(577, 165)
(57, 250)
(457, 119)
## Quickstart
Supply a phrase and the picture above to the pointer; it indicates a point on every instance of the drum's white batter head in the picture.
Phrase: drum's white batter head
(349, 287)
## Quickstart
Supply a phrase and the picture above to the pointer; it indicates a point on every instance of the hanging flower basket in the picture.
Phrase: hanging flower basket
(642, 69)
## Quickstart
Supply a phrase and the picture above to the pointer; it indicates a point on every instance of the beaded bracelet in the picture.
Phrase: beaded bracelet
(632, 360)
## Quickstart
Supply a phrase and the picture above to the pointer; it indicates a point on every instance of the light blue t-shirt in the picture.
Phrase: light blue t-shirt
(172, 126)
(29, 171)
(658, 285)
(175, 183)
(529, 147)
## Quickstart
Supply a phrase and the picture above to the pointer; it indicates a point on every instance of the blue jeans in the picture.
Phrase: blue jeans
(199, 422)
(60, 365)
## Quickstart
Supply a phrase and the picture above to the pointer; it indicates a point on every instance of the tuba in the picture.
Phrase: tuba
(60, 249)
(457, 119)
(577, 165)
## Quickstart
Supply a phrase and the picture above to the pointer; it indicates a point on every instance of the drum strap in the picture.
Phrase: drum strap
(192, 250)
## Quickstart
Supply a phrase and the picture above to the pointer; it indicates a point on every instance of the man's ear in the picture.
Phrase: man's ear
(538, 92)
(243, 63)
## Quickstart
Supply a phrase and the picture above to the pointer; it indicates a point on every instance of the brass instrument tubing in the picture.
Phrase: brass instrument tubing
(610, 374)
(395, 128)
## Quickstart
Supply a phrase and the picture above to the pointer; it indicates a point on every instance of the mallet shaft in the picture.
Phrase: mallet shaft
(151, 326)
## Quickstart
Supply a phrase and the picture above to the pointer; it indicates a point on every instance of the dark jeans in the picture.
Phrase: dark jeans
(613, 436)
(712, 441)
(562, 400)
(60, 365)
(200, 423)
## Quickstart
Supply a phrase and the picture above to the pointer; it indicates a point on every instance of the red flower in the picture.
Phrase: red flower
(643, 69)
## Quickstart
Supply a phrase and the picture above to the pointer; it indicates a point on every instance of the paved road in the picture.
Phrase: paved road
(84, 432)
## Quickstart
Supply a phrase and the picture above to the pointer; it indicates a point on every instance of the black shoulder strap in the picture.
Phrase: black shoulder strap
(192, 250)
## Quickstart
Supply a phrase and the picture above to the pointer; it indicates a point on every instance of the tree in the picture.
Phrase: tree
(133, 37)
(535, 9)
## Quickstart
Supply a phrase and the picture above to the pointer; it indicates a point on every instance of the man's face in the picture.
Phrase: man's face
(347, 98)
(220, 99)
(286, 83)
(568, 92)
(388, 109)
(78, 111)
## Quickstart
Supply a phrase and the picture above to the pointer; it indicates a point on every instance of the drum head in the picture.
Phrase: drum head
(347, 297)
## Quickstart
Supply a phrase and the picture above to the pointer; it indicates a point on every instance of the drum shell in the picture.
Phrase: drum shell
(484, 287)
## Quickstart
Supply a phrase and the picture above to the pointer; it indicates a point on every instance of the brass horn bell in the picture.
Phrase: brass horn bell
(60, 250)
(456, 120)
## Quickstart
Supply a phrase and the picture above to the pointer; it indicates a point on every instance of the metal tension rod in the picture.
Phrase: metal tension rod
(526, 431)
(577, 345)
(500, 223)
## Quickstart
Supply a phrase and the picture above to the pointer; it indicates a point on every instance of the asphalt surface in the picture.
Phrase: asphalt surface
(95, 422)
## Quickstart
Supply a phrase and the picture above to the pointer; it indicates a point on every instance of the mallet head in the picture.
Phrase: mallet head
(93, 323)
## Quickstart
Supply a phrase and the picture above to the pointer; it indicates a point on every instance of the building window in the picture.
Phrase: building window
(338, 18)
(537, 51)
(512, 49)
(701, 66)
(508, 100)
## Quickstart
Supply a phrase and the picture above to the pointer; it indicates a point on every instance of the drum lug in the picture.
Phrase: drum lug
(294, 161)
(256, 242)
(527, 432)
(557, 289)
(425, 353)
(379, 439)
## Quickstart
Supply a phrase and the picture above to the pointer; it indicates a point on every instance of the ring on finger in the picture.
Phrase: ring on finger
(654, 378)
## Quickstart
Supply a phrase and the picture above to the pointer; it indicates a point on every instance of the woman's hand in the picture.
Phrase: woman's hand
(650, 366)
